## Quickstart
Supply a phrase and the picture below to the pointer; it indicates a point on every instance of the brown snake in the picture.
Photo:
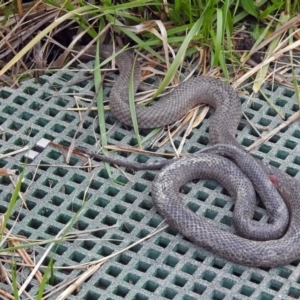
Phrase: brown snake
(210, 164)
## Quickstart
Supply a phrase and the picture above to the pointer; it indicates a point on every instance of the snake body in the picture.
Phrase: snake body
(210, 164)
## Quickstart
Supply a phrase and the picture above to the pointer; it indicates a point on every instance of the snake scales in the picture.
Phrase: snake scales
(210, 164)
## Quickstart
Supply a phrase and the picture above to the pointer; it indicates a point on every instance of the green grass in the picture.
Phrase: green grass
(188, 27)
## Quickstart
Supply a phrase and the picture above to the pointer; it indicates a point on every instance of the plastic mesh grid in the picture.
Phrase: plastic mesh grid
(167, 266)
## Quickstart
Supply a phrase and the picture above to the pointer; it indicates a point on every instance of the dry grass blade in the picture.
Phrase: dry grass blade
(94, 266)
(266, 137)
(7, 172)
(27, 259)
(261, 74)
(38, 264)
(273, 57)
(285, 27)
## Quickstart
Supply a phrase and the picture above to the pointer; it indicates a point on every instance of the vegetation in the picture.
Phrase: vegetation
(37, 38)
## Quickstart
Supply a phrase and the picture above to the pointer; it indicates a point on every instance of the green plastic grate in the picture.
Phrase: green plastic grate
(167, 266)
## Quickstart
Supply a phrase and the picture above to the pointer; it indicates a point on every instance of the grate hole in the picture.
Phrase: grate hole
(25, 116)
(162, 242)
(203, 140)
(30, 132)
(236, 271)
(180, 249)
(9, 110)
(136, 248)
(123, 259)
(294, 293)
(218, 202)
(202, 196)
(218, 264)
(126, 227)
(193, 207)
(132, 278)
(95, 185)
(112, 191)
(105, 251)
(210, 184)
(199, 256)
(84, 196)
(256, 278)
(216, 295)
(143, 233)
(283, 272)
(198, 288)
(136, 216)
(39, 194)
(56, 128)
(60, 172)
(246, 290)
(91, 214)
(102, 284)
(169, 293)
(265, 296)
(88, 245)
(142, 266)
(118, 136)
(210, 214)
(189, 268)
(271, 87)
(77, 257)
(148, 176)
(226, 220)
(281, 154)
(292, 172)
(208, 276)
(150, 286)
(35, 106)
(265, 149)
(145, 204)
(139, 187)
(90, 140)
(275, 285)
(161, 273)
(61, 102)
(274, 139)
(42, 122)
(280, 102)
(119, 209)
(290, 144)
(56, 201)
(90, 295)
(103, 174)
(34, 223)
(255, 106)
(296, 134)
(51, 230)
(122, 180)
(15, 126)
(4, 94)
(73, 207)
(271, 112)
(186, 297)
(227, 283)
(45, 212)
(101, 202)
(152, 254)
(116, 239)
(154, 222)
(109, 221)
(139, 296)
